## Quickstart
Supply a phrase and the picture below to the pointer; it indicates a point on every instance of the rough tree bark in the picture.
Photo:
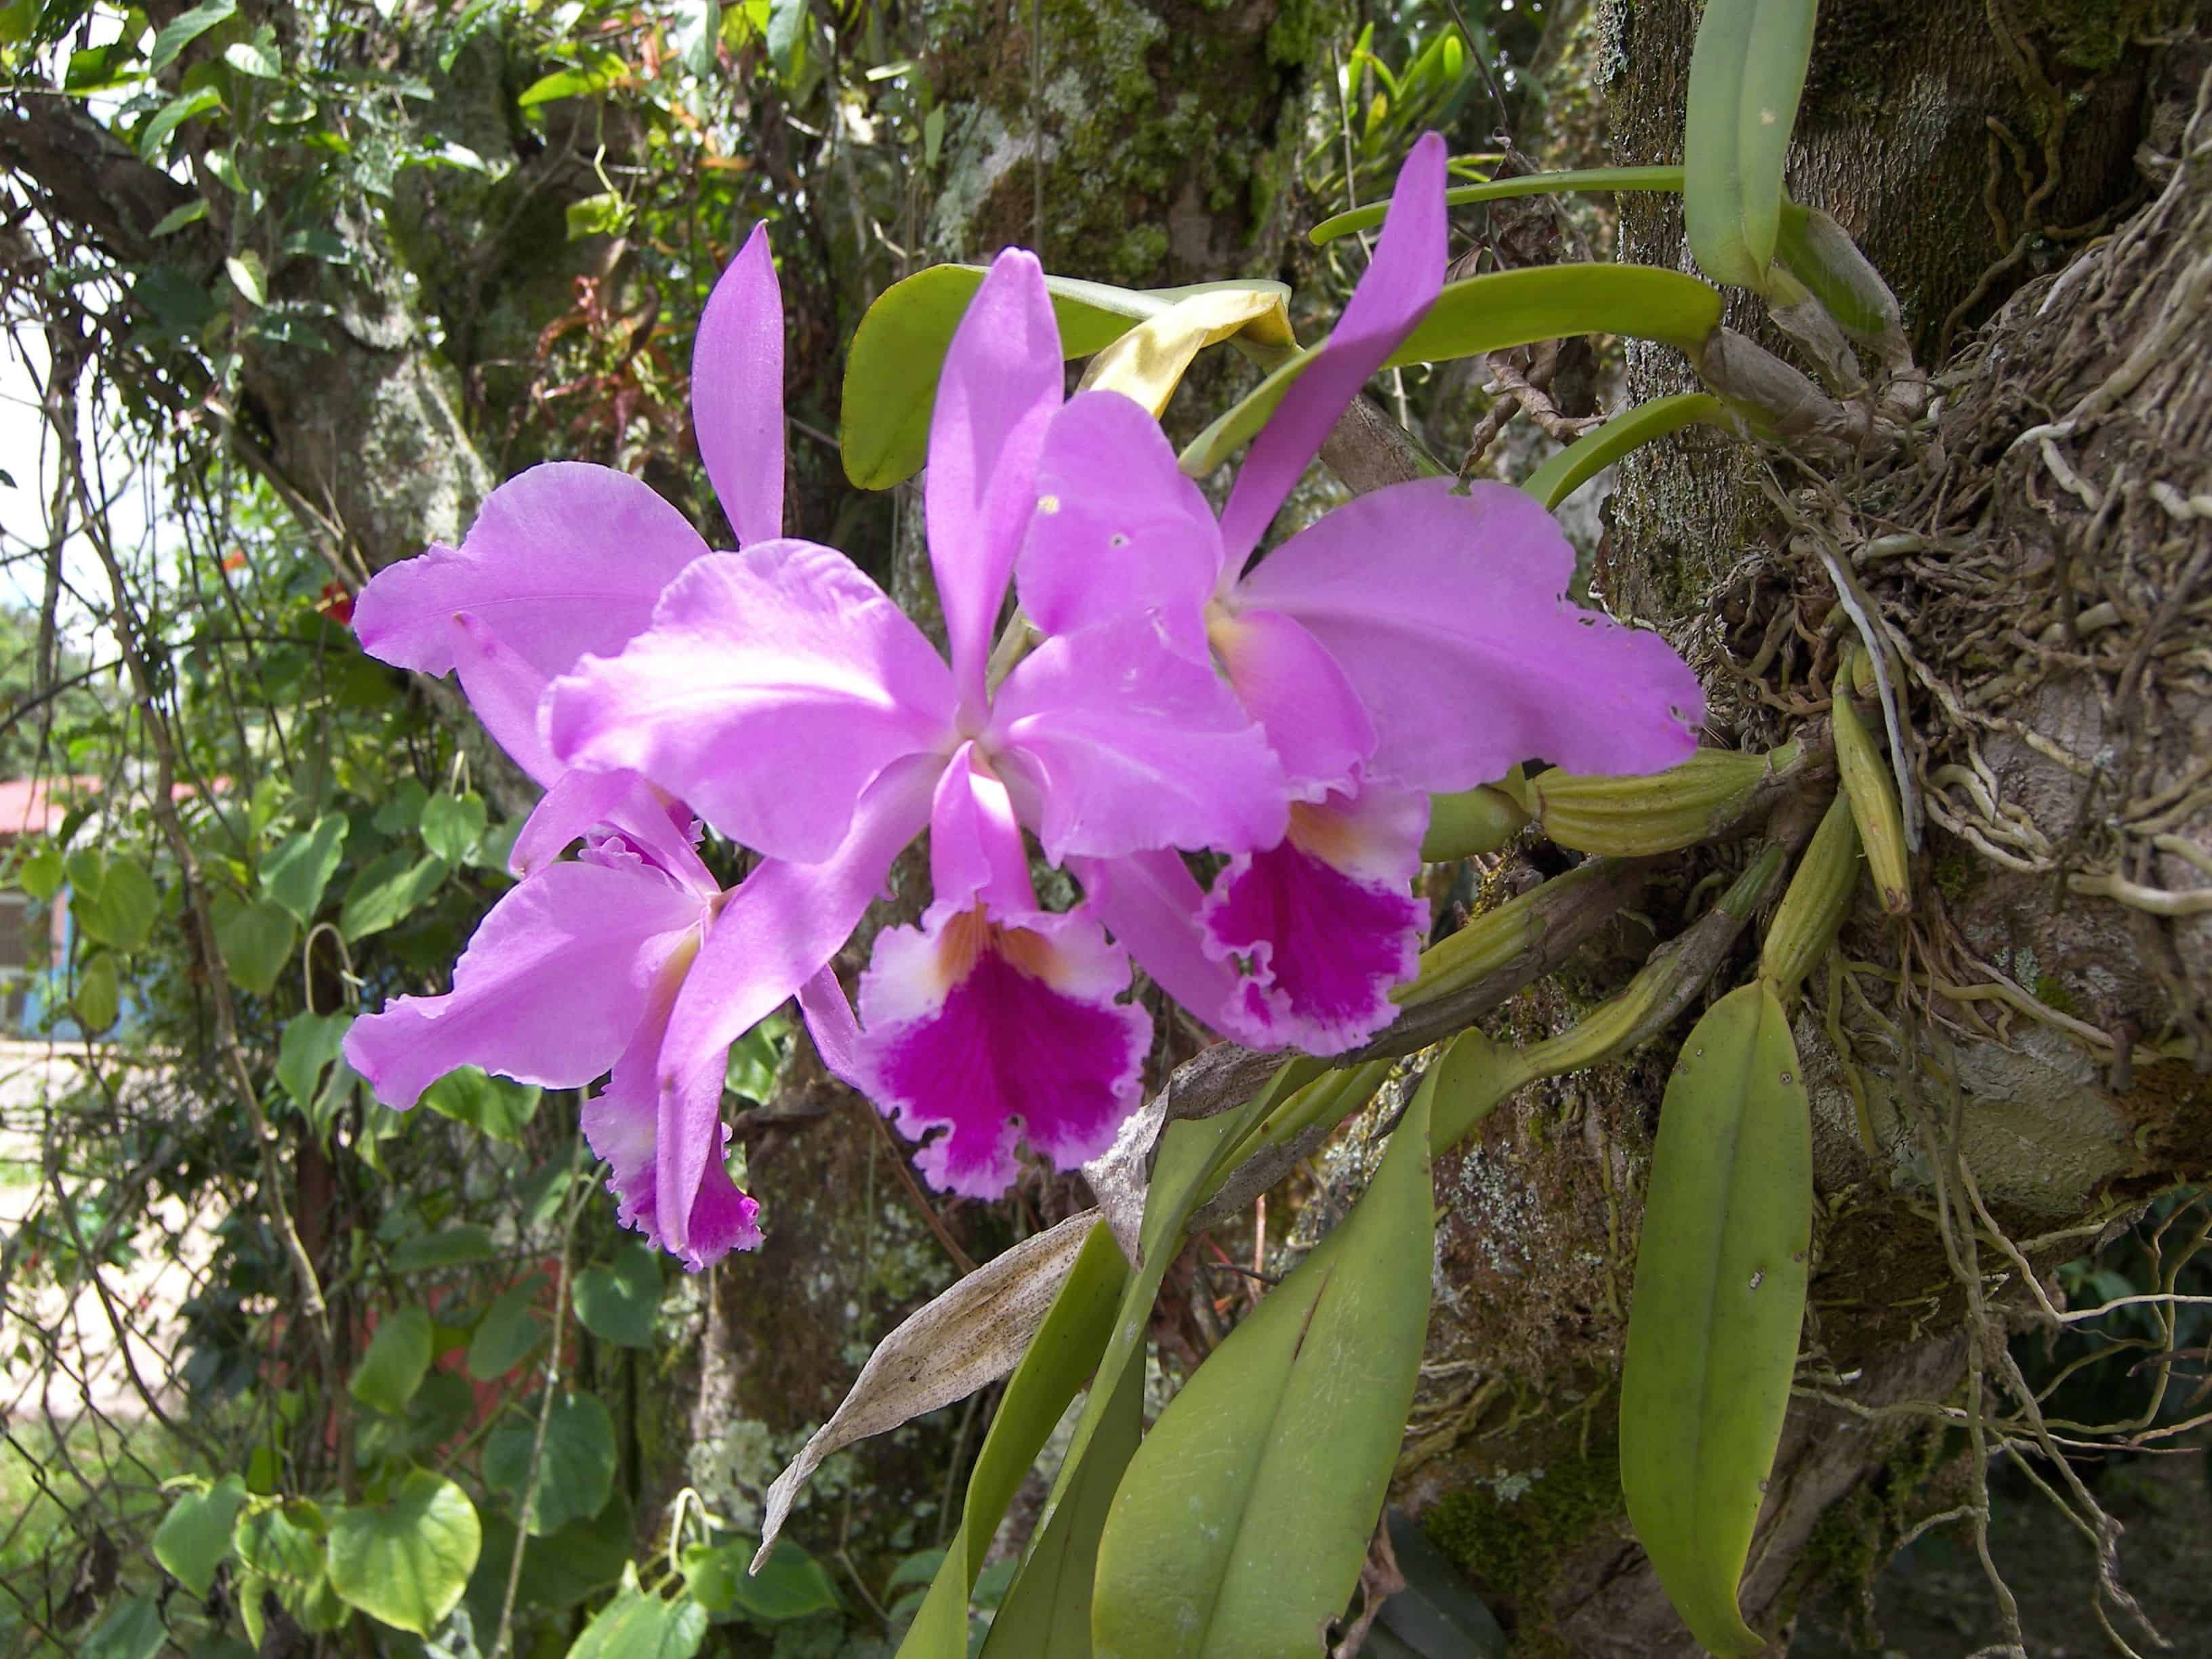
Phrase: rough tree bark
(2042, 1071)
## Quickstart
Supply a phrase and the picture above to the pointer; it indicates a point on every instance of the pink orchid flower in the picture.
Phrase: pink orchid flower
(1416, 641)
(784, 695)
(574, 973)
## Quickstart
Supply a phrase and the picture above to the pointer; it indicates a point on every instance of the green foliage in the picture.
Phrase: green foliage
(407, 1560)
(1720, 1295)
(397, 1358)
(616, 1301)
(638, 1625)
(1746, 74)
(891, 374)
(574, 1462)
(1244, 1517)
(194, 1537)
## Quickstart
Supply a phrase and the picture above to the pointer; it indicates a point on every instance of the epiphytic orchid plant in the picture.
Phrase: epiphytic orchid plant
(1172, 691)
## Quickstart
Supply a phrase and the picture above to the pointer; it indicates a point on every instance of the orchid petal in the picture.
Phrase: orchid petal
(551, 990)
(581, 801)
(835, 1032)
(1150, 902)
(1313, 719)
(1114, 741)
(1118, 528)
(1001, 381)
(622, 1123)
(736, 392)
(1447, 614)
(776, 930)
(992, 1027)
(1325, 918)
(505, 689)
(1399, 285)
(772, 686)
(975, 848)
(564, 559)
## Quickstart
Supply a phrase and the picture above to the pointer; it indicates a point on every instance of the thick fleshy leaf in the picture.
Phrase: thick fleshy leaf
(1591, 454)
(1578, 181)
(1056, 1367)
(1747, 73)
(891, 371)
(1046, 1613)
(1000, 1027)
(774, 684)
(970, 1335)
(1242, 1523)
(406, 1560)
(1719, 1299)
(774, 933)
(1118, 528)
(1114, 741)
(1448, 615)
(551, 989)
(1313, 720)
(1000, 385)
(1489, 313)
(1397, 286)
(736, 392)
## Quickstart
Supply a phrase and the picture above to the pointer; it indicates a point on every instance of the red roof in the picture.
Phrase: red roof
(32, 806)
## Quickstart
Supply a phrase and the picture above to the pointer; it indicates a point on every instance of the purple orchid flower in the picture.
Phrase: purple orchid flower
(575, 972)
(1415, 641)
(804, 714)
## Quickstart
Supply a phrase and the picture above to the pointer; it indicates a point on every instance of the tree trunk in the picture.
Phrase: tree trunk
(2045, 601)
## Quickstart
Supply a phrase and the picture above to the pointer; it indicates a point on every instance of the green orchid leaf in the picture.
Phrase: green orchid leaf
(1746, 74)
(891, 374)
(1062, 1357)
(1719, 1299)
(1491, 313)
(1580, 181)
(1591, 454)
(407, 1560)
(1242, 1523)
(1046, 1612)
